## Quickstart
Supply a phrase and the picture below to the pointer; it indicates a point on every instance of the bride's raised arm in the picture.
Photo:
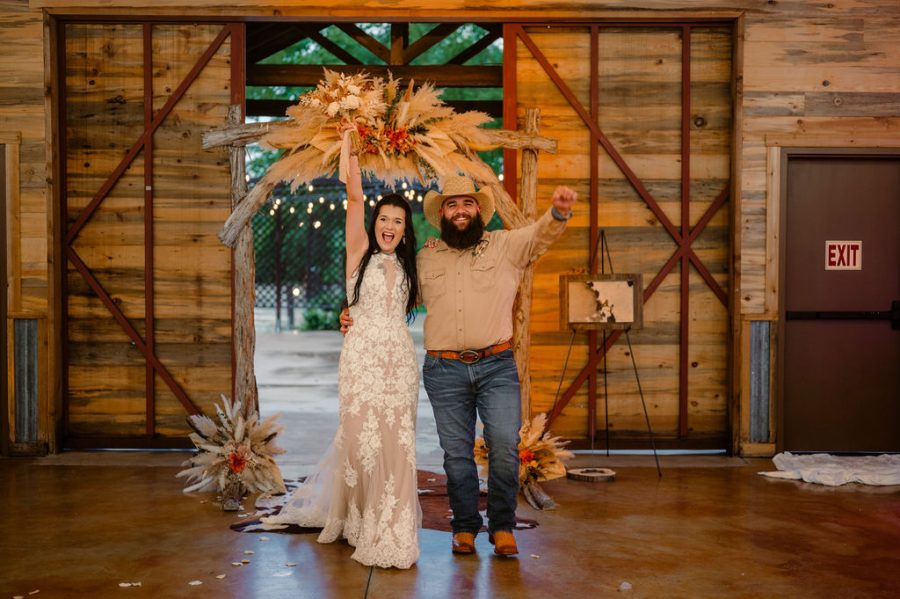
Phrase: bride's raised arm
(357, 240)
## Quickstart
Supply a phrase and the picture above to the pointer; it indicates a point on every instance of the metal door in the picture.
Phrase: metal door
(841, 354)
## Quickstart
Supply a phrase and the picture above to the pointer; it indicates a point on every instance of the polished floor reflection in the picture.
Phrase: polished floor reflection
(78, 525)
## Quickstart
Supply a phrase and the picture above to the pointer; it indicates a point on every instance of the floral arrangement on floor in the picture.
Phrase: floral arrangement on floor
(541, 458)
(234, 455)
(400, 134)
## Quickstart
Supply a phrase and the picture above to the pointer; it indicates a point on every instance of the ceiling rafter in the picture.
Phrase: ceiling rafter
(494, 32)
(366, 40)
(428, 41)
(266, 39)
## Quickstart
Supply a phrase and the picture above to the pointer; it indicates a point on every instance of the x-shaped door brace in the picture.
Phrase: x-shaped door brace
(144, 142)
(683, 237)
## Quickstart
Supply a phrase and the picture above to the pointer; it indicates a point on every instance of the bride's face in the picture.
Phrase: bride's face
(390, 224)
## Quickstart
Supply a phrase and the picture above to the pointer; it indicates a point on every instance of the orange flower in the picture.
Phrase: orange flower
(236, 462)
(526, 456)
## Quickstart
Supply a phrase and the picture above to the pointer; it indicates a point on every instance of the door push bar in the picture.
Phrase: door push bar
(893, 315)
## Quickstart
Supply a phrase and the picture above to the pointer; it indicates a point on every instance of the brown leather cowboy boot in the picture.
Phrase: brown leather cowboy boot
(463, 543)
(504, 542)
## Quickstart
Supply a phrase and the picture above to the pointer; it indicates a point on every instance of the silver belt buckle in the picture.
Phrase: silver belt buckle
(469, 356)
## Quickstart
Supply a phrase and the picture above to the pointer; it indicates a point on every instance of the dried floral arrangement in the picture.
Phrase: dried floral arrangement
(235, 451)
(541, 458)
(400, 134)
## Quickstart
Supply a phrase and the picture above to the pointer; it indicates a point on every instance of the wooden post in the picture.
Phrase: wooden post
(522, 307)
(244, 290)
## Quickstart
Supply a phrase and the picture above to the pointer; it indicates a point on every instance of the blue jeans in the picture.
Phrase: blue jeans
(456, 391)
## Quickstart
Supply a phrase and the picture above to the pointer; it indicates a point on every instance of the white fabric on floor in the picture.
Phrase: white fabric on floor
(831, 470)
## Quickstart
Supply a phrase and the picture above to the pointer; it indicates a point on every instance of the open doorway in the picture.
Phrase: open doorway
(299, 236)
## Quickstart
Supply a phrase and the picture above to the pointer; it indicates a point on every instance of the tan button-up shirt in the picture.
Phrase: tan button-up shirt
(469, 293)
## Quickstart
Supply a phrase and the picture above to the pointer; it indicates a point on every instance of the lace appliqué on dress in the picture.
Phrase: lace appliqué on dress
(364, 489)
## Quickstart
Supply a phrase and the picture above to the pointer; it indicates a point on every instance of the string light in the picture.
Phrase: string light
(310, 188)
(403, 185)
(500, 176)
(371, 202)
(321, 200)
(309, 209)
(331, 206)
(271, 213)
(301, 224)
(292, 209)
(296, 292)
(247, 178)
(317, 224)
(379, 199)
(419, 198)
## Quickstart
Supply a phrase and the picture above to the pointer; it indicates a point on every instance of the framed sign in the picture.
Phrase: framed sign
(595, 302)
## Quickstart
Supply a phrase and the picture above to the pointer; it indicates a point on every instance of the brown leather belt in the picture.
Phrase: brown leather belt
(470, 356)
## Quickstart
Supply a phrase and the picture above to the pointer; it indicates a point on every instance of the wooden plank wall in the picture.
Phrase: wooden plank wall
(810, 73)
(640, 78)
(105, 87)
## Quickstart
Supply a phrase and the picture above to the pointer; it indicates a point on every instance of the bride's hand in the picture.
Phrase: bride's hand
(347, 140)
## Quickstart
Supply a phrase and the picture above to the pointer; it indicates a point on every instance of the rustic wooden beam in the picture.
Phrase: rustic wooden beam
(239, 135)
(265, 40)
(506, 207)
(428, 41)
(442, 75)
(244, 269)
(399, 42)
(339, 52)
(493, 34)
(366, 40)
(522, 308)
(279, 108)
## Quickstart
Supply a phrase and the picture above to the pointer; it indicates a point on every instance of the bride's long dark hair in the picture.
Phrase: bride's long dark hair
(405, 251)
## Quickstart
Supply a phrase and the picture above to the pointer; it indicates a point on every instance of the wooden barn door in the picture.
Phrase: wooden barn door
(643, 117)
(148, 286)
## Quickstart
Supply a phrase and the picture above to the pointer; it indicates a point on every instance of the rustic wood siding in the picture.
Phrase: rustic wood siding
(105, 98)
(640, 95)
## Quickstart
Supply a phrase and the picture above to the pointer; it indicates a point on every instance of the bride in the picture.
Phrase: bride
(364, 488)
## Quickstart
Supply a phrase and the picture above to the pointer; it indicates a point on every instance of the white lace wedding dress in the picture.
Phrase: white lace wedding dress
(364, 489)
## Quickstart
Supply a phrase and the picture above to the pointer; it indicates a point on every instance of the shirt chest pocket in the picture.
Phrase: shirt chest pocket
(484, 274)
(434, 283)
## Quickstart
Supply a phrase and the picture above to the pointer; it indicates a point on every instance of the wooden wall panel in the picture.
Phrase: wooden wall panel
(104, 102)
(191, 196)
(640, 95)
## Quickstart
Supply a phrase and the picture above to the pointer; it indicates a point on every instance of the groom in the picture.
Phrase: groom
(468, 283)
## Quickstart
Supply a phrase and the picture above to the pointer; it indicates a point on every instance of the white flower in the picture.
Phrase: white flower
(332, 109)
(353, 89)
(350, 102)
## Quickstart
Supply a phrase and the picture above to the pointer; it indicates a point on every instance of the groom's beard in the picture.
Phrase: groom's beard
(465, 238)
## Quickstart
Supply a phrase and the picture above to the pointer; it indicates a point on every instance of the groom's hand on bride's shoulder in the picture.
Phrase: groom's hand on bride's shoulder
(346, 321)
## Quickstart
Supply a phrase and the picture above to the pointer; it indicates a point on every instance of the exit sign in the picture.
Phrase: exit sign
(843, 255)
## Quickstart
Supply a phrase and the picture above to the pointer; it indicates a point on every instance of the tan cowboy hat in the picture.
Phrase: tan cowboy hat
(455, 187)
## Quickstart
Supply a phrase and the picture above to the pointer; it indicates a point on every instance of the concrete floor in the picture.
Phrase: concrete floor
(297, 377)
(77, 525)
